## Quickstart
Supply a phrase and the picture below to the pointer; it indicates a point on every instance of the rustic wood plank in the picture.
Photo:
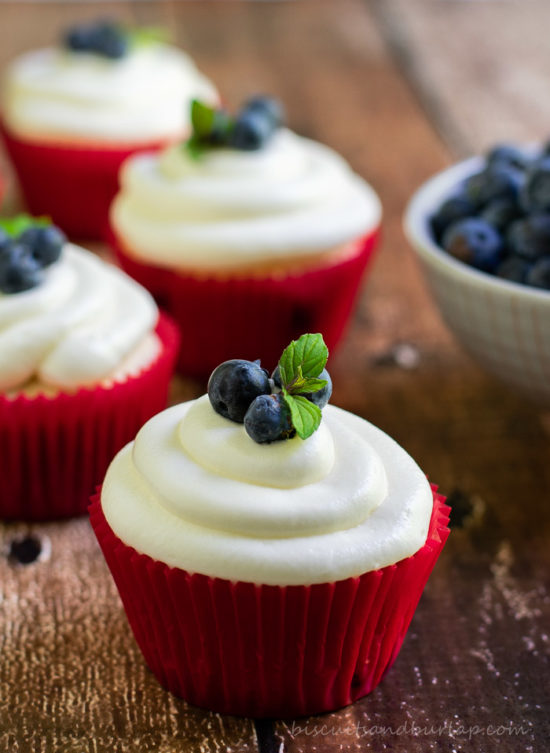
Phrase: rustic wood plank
(481, 68)
(72, 680)
(478, 651)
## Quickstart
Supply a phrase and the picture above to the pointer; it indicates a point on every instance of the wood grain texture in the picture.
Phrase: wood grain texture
(71, 678)
(481, 68)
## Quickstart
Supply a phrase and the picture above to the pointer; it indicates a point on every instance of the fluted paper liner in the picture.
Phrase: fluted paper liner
(251, 317)
(55, 450)
(70, 183)
(268, 651)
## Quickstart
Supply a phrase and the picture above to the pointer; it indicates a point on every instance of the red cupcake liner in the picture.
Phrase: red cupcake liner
(253, 317)
(55, 450)
(72, 184)
(268, 651)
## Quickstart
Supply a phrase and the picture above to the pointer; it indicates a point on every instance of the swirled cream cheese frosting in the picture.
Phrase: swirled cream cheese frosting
(55, 94)
(233, 209)
(196, 492)
(84, 324)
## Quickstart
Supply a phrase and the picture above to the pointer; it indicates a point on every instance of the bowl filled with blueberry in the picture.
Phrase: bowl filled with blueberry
(482, 232)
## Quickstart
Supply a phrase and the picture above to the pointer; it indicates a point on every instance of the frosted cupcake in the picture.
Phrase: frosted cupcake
(72, 114)
(84, 362)
(247, 233)
(269, 549)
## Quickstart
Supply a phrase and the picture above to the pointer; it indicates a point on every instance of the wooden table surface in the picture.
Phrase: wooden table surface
(400, 88)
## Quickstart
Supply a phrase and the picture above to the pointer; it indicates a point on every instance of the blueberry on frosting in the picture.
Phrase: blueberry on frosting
(249, 130)
(234, 384)
(105, 38)
(19, 271)
(268, 419)
(45, 243)
(27, 247)
(273, 409)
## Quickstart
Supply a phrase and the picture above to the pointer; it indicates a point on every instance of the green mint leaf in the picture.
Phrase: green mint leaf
(302, 385)
(146, 36)
(14, 226)
(309, 385)
(222, 126)
(305, 357)
(306, 416)
(194, 147)
(202, 119)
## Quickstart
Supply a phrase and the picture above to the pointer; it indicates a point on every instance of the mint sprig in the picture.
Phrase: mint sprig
(305, 415)
(16, 225)
(299, 368)
(202, 119)
(210, 127)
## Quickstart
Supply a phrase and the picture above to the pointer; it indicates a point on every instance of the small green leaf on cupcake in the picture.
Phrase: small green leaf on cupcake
(15, 226)
(306, 416)
(300, 368)
(250, 130)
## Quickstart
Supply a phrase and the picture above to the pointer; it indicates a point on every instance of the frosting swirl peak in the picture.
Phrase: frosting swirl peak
(196, 492)
(58, 94)
(75, 328)
(229, 208)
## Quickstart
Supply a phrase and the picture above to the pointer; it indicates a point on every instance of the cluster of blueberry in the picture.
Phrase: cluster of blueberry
(24, 257)
(498, 220)
(250, 129)
(104, 38)
(244, 392)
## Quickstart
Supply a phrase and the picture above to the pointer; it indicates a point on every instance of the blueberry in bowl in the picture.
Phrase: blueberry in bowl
(481, 229)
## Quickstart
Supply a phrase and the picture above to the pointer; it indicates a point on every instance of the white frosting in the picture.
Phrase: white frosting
(144, 96)
(77, 327)
(230, 208)
(194, 491)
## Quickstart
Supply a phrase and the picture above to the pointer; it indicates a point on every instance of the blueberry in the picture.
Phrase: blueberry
(103, 38)
(276, 376)
(80, 39)
(234, 384)
(19, 271)
(539, 274)
(474, 242)
(453, 209)
(268, 419)
(500, 213)
(44, 243)
(252, 130)
(513, 268)
(5, 242)
(497, 182)
(535, 195)
(508, 156)
(268, 105)
(109, 40)
(530, 238)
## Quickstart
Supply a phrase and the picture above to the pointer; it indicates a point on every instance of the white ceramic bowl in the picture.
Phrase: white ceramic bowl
(505, 326)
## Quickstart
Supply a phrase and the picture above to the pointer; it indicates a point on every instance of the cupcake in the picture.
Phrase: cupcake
(71, 114)
(85, 360)
(247, 233)
(269, 549)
